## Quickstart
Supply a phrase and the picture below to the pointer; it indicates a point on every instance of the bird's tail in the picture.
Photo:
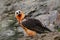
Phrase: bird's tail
(45, 28)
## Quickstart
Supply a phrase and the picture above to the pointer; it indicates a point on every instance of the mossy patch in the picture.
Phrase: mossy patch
(59, 30)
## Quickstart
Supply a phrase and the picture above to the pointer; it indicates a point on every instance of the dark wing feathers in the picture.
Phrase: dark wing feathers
(35, 25)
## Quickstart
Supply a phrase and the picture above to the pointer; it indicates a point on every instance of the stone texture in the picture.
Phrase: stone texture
(44, 10)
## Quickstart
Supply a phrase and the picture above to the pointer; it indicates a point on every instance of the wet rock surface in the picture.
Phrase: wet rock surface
(47, 11)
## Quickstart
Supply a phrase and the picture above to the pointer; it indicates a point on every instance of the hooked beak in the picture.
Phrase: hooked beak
(19, 15)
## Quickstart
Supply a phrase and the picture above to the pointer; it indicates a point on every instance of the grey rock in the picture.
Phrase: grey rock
(48, 19)
(42, 10)
(8, 33)
(53, 16)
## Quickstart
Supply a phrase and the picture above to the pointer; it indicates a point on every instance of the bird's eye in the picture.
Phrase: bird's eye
(19, 11)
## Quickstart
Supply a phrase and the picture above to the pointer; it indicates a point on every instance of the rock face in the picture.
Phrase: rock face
(47, 11)
(46, 36)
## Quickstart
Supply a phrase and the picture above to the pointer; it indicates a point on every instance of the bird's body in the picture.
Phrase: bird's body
(34, 25)
(31, 25)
